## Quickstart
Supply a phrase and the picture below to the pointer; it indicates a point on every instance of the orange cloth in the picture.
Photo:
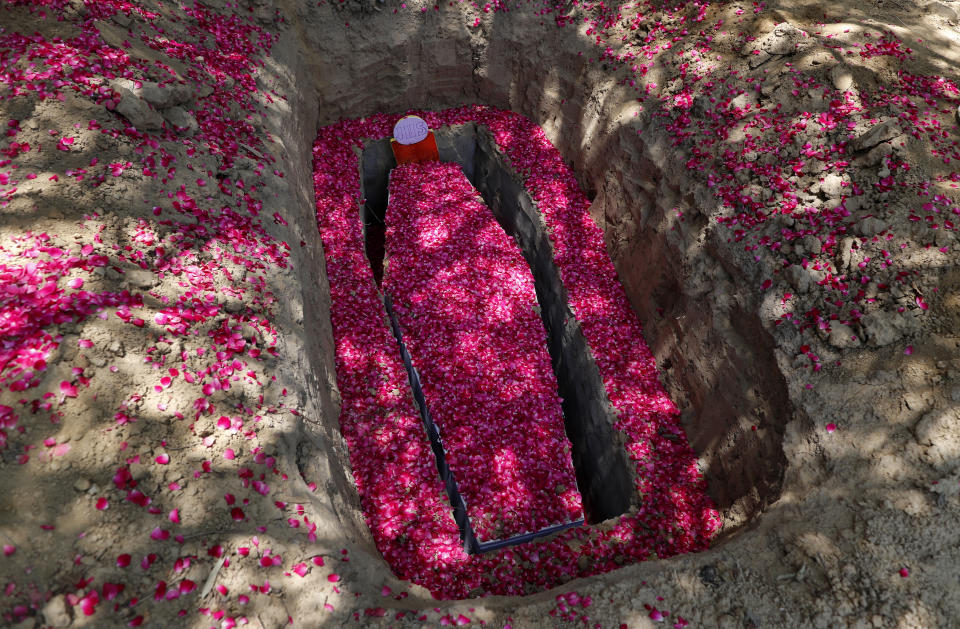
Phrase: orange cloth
(423, 151)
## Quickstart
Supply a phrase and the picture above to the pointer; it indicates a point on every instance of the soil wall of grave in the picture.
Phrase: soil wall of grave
(318, 447)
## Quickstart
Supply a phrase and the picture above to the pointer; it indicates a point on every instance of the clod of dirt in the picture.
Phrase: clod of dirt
(136, 109)
(56, 612)
(841, 77)
(784, 39)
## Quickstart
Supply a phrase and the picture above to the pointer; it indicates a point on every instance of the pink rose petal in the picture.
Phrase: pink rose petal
(159, 534)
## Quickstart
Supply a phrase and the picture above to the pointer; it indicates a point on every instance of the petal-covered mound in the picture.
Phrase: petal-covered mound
(401, 494)
(465, 300)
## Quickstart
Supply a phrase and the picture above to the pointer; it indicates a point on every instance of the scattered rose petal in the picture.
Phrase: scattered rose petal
(159, 534)
(68, 389)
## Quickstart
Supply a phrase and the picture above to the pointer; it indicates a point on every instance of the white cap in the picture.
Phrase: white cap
(410, 130)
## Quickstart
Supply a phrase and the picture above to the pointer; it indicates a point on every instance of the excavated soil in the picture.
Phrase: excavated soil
(805, 324)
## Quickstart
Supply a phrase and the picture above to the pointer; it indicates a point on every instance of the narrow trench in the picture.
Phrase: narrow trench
(603, 476)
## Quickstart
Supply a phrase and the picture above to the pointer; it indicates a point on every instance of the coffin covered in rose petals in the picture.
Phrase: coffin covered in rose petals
(466, 305)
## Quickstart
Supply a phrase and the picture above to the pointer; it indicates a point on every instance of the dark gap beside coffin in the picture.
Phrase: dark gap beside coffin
(603, 475)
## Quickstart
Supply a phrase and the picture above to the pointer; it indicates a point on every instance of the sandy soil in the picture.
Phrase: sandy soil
(177, 410)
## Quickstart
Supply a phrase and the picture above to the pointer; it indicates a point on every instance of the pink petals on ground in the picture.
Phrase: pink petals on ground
(88, 604)
(148, 560)
(159, 534)
(43, 301)
(117, 168)
(112, 590)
